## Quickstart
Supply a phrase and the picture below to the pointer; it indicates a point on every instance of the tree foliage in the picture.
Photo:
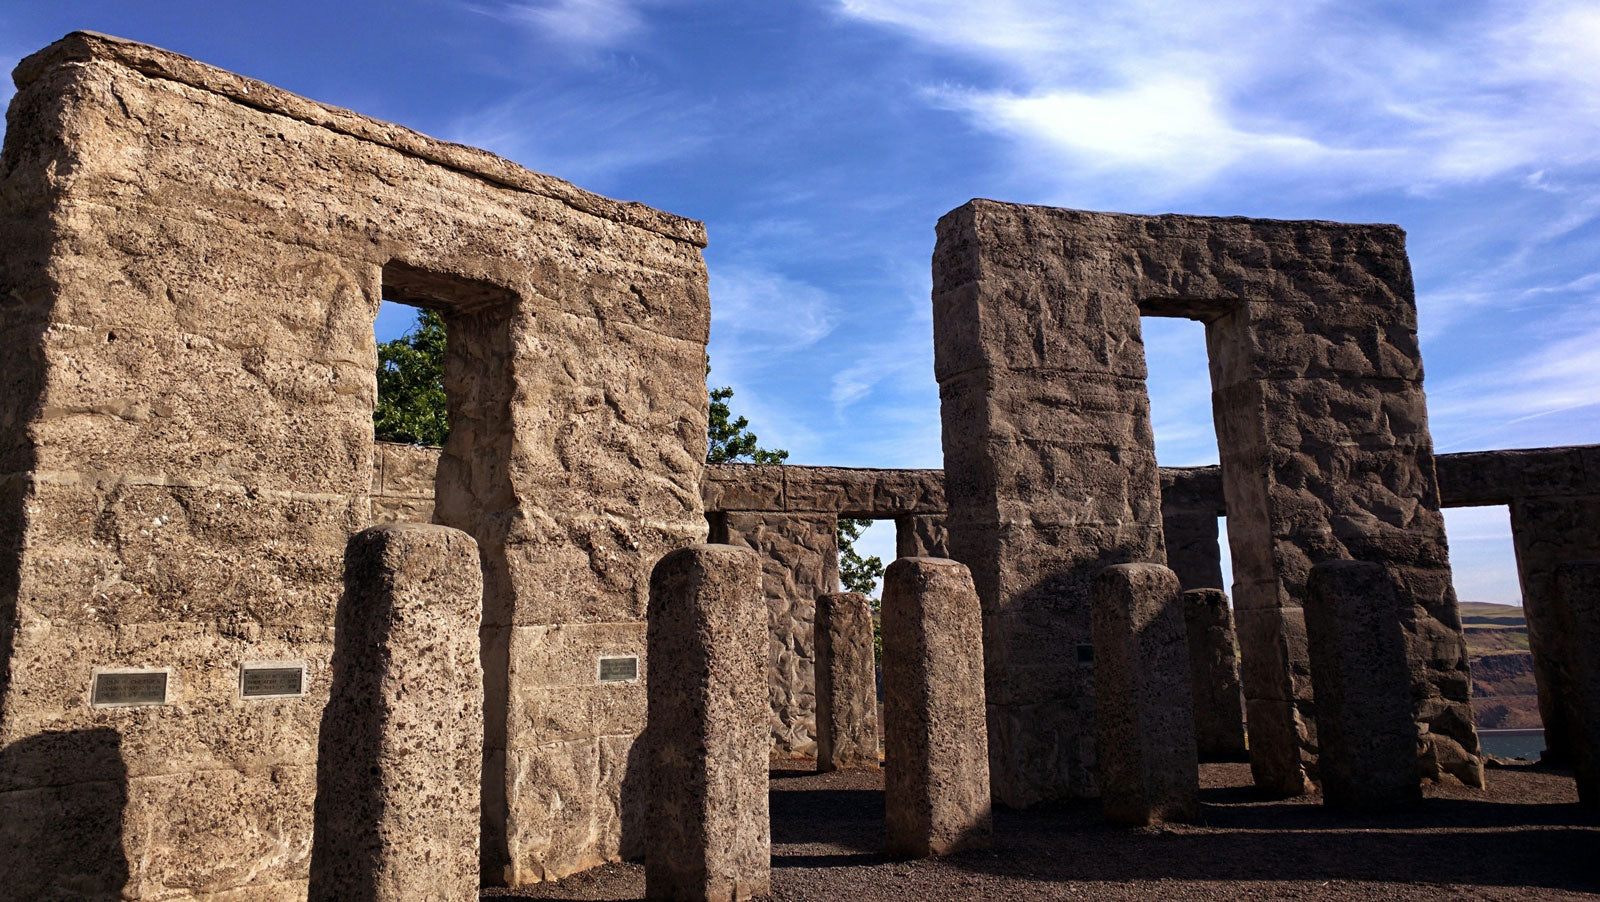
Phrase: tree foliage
(730, 440)
(856, 573)
(411, 399)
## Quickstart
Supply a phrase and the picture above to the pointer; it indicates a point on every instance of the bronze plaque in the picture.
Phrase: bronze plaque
(272, 680)
(619, 669)
(124, 688)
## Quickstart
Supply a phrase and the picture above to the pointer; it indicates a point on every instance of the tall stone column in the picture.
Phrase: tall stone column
(400, 755)
(1050, 469)
(936, 780)
(1547, 532)
(1577, 612)
(847, 691)
(1322, 425)
(1213, 662)
(799, 561)
(707, 833)
(1366, 738)
(1149, 771)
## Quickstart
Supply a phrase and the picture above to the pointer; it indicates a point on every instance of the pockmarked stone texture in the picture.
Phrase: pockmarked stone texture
(1214, 666)
(1576, 599)
(1321, 422)
(400, 754)
(921, 535)
(847, 692)
(936, 758)
(1548, 532)
(799, 556)
(1149, 771)
(708, 835)
(193, 264)
(1191, 502)
(1355, 628)
(788, 513)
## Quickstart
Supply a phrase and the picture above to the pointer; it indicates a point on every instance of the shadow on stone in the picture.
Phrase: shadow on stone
(62, 798)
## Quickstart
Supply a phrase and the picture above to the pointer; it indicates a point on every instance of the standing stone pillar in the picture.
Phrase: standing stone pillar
(400, 756)
(921, 535)
(1577, 603)
(1549, 531)
(1359, 672)
(799, 561)
(1191, 502)
(1149, 771)
(707, 831)
(847, 691)
(1050, 468)
(1213, 662)
(936, 760)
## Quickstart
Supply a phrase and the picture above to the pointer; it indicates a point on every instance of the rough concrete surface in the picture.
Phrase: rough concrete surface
(1321, 424)
(707, 835)
(1214, 669)
(400, 754)
(1367, 741)
(936, 791)
(847, 684)
(193, 264)
(1149, 771)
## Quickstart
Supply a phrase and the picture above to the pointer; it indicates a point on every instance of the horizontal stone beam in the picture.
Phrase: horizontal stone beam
(1466, 479)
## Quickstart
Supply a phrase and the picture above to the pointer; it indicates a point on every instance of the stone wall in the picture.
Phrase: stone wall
(1321, 423)
(789, 514)
(193, 264)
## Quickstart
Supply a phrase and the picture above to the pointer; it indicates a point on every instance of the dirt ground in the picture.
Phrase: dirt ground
(1524, 838)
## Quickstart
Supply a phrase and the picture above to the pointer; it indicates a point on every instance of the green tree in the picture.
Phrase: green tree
(411, 400)
(857, 573)
(730, 440)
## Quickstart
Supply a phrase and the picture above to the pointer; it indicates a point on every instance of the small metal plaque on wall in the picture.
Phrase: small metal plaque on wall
(127, 687)
(272, 679)
(619, 668)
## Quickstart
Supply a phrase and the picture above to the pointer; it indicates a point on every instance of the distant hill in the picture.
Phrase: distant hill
(1503, 692)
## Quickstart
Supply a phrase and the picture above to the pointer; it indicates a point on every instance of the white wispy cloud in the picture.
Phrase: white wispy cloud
(1498, 405)
(1178, 93)
(580, 23)
(756, 312)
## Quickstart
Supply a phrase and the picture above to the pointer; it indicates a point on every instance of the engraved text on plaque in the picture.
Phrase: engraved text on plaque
(125, 688)
(272, 680)
(619, 668)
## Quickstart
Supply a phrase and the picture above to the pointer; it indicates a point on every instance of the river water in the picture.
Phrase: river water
(1512, 743)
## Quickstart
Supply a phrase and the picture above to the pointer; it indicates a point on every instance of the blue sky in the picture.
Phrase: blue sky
(820, 141)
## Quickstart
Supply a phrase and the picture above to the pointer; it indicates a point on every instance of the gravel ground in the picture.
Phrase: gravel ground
(1524, 838)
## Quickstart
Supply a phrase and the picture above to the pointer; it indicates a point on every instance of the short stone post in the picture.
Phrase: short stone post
(847, 695)
(936, 760)
(1213, 663)
(1577, 602)
(707, 833)
(1361, 680)
(400, 757)
(1149, 767)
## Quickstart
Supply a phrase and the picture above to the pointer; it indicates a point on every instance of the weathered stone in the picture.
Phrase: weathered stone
(1213, 664)
(1320, 416)
(1359, 669)
(936, 760)
(400, 755)
(921, 535)
(799, 561)
(1149, 771)
(194, 261)
(1550, 531)
(707, 835)
(1577, 601)
(847, 691)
